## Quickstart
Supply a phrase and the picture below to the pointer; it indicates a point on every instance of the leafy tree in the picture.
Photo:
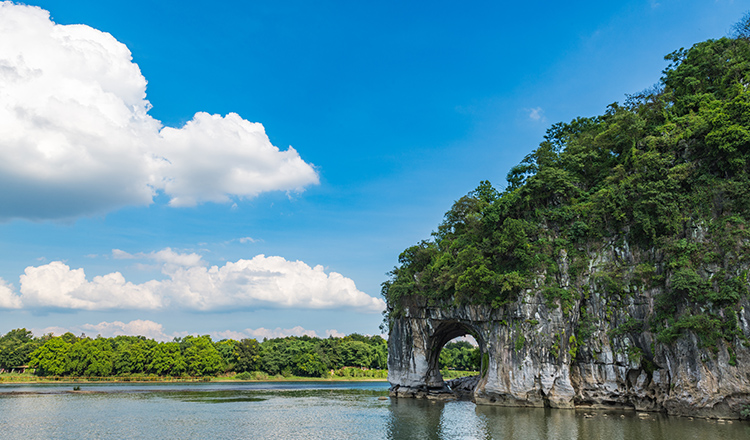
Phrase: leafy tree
(356, 353)
(202, 356)
(380, 353)
(51, 358)
(226, 348)
(99, 358)
(273, 361)
(167, 360)
(87, 357)
(133, 357)
(247, 353)
(309, 364)
(741, 29)
(16, 347)
(69, 337)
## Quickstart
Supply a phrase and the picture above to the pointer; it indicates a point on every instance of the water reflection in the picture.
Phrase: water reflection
(528, 423)
(423, 419)
(315, 411)
(414, 418)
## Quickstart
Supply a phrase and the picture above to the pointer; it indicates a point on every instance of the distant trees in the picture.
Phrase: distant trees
(15, 348)
(131, 354)
(71, 355)
(461, 356)
(203, 359)
(51, 358)
(247, 355)
(90, 357)
(167, 360)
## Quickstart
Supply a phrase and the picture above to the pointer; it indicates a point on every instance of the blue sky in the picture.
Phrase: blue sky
(170, 212)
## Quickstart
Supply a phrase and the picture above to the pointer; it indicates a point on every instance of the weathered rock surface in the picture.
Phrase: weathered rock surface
(463, 387)
(532, 358)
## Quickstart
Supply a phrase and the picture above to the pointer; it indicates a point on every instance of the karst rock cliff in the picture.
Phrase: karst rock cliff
(532, 358)
(613, 268)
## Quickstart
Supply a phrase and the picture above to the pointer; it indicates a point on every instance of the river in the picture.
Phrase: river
(311, 410)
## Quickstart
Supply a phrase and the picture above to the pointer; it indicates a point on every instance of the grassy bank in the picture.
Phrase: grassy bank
(257, 376)
(348, 374)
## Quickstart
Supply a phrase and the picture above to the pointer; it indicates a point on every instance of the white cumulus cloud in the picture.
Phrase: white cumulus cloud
(8, 300)
(264, 281)
(536, 114)
(261, 333)
(76, 137)
(154, 330)
(335, 333)
(56, 285)
(166, 256)
(208, 159)
(138, 327)
(191, 285)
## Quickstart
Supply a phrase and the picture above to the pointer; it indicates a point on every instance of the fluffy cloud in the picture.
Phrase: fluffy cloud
(192, 285)
(154, 330)
(264, 281)
(536, 114)
(335, 333)
(55, 285)
(166, 256)
(7, 299)
(261, 333)
(76, 137)
(244, 161)
(139, 327)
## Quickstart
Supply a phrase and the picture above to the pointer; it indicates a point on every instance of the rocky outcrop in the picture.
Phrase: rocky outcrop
(463, 387)
(585, 353)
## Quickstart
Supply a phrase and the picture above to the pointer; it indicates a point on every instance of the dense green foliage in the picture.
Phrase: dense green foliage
(69, 355)
(460, 355)
(664, 175)
(16, 346)
(123, 356)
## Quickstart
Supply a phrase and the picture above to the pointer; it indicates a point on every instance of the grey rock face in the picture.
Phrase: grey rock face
(463, 387)
(531, 356)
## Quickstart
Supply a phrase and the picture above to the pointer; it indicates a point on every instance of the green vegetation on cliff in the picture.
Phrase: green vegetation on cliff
(663, 177)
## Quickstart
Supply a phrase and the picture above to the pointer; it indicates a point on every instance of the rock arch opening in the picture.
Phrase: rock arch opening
(416, 342)
(459, 356)
(442, 336)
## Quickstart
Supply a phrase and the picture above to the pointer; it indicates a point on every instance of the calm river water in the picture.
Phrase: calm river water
(310, 410)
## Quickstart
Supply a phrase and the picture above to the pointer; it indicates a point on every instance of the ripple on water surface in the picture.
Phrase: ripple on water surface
(311, 411)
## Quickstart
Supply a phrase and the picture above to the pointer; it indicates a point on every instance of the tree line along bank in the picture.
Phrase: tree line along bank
(81, 356)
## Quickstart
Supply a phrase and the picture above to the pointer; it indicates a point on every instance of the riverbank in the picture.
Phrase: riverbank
(13, 378)
(374, 376)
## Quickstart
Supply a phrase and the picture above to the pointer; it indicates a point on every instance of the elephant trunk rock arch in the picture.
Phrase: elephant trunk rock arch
(525, 362)
(414, 350)
(531, 357)
(417, 336)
